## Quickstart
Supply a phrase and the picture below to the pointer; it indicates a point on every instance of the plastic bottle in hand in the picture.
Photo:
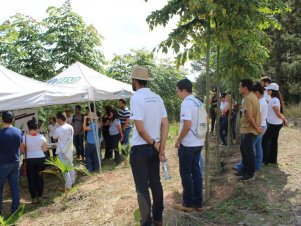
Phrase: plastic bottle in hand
(165, 168)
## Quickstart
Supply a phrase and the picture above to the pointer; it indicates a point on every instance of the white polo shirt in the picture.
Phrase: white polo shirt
(263, 111)
(189, 111)
(267, 96)
(272, 117)
(148, 107)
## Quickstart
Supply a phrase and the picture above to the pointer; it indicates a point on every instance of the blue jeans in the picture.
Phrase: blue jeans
(223, 129)
(258, 148)
(259, 152)
(11, 173)
(247, 144)
(145, 164)
(126, 134)
(92, 158)
(189, 158)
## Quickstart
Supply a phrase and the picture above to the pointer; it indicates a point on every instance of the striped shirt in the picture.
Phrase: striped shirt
(123, 115)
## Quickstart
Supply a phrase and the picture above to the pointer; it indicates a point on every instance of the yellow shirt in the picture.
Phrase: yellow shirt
(250, 104)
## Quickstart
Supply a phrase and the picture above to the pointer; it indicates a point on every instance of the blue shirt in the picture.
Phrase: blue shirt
(90, 135)
(10, 140)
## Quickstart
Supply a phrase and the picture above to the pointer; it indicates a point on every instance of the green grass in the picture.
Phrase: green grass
(173, 132)
(293, 111)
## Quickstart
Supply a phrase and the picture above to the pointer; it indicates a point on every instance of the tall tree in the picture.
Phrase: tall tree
(284, 64)
(22, 47)
(164, 73)
(70, 39)
(195, 33)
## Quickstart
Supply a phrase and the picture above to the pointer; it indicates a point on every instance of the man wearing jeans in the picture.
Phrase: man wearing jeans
(124, 117)
(10, 140)
(249, 129)
(189, 149)
(147, 146)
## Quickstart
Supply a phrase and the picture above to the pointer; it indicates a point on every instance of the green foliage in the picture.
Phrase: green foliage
(71, 40)
(42, 49)
(164, 72)
(235, 26)
(63, 168)
(12, 220)
(284, 65)
(137, 216)
(22, 47)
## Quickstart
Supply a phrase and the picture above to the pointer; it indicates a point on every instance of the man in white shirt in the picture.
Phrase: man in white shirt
(266, 81)
(189, 149)
(147, 146)
(64, 134)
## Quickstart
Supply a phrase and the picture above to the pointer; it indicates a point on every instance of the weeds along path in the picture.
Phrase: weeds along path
(110, 198)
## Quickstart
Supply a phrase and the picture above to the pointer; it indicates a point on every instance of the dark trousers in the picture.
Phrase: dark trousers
(145, 164)
(78, 141)
(247, 147)
(223, 129)
(106, 137)
(213, 117)
(190, 171)
(53, 149)
(114, 142)
(270, 143)
(35, 179)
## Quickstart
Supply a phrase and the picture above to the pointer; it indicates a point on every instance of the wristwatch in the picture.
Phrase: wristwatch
(153, 144)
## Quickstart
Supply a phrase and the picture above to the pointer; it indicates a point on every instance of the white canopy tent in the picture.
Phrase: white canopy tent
(20, 92)
(98, 86)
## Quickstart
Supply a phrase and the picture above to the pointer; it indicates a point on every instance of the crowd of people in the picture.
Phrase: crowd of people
(261, 120)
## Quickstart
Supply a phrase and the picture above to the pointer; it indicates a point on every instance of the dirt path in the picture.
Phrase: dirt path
(110, 198)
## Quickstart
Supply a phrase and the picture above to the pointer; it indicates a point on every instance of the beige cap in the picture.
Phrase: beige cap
(140, 73)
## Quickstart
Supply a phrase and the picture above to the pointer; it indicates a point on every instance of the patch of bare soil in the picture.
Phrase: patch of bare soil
(110, 198)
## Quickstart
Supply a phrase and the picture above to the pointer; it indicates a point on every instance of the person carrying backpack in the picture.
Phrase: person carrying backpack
(190, 142)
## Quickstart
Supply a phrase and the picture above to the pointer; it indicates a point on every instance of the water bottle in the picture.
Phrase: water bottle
(165, 168)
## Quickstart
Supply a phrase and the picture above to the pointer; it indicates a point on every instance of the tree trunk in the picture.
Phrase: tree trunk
(218, 112)
(207, 180)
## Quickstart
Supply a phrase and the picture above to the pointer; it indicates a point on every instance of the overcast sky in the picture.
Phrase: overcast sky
(121, 22)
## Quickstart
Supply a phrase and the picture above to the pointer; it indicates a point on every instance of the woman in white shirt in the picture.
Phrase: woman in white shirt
(224, 109)
(275, 120)
(35, 147)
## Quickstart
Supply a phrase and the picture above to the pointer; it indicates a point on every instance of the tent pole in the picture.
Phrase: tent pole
(95, 133)
(98, 148)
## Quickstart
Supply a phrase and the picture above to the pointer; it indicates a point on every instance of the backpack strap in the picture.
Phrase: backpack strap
(198, 105)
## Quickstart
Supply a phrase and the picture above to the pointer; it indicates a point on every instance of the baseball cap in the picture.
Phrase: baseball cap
(272, 86)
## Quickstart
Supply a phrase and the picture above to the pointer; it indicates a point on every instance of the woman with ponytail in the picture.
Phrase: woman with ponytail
(275, 121)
